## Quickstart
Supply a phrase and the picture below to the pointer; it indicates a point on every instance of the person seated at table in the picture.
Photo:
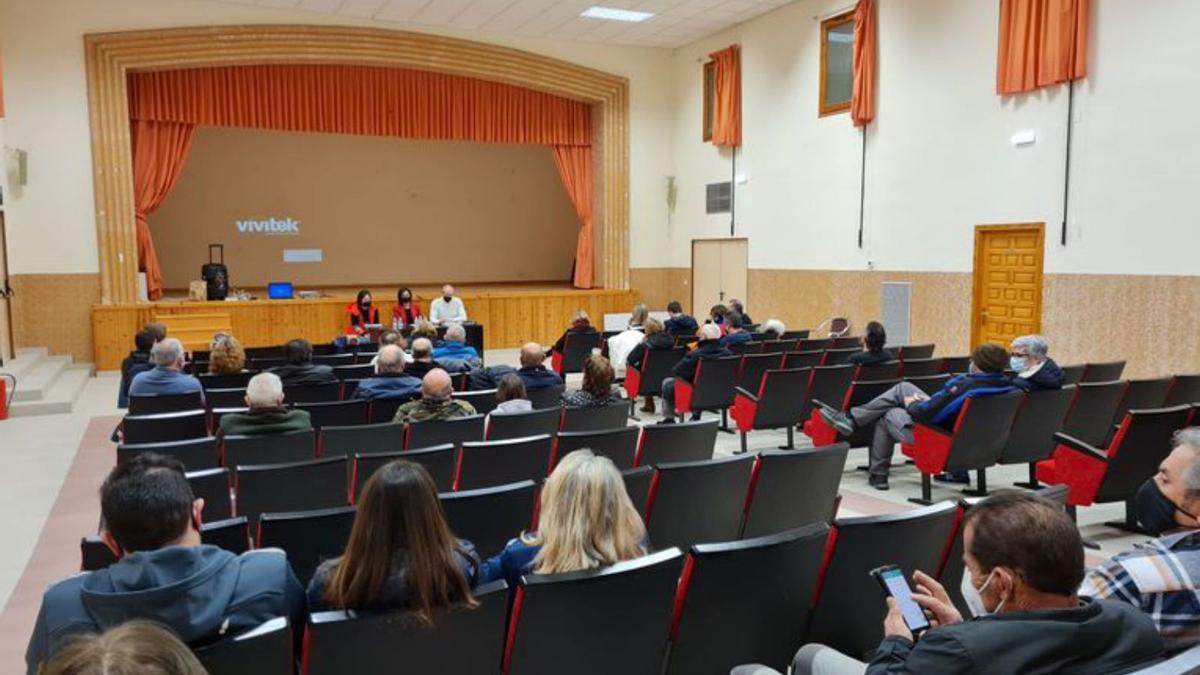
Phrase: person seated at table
(390, 381)
(137, 362)
(436, 403)
(447, 309)
(679, 324)
(1031, 362)
(167, 376)
(737, 307)
(533, 373)
(226, 355)
(873, 353)
(422, 359)
(735, 334)
(298, 370)
(597, 389)
(453, 350)
(511, 396)
(708, 347)
(622, 343)
(407, 310)
(267, 414)
(656, 339)
(362, 312)
(581, 325)
(773, 329)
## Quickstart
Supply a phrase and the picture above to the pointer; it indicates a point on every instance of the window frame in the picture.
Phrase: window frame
(827, 25)
(709, 85)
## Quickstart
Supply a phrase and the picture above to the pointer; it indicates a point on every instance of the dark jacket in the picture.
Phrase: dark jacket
(706, 349)
(395, 593)
(136, 362)
(202, 593)
(656, 342)
(1099, 636)
(736, 338)
(746, 320)
(561, 343)
(681, 325)
(512, 563)
(1049, 376)
(870, 358)
(539, 377)
(942, 408)
(264, 422)
(419, 369)
(304, 374)
(401, 386)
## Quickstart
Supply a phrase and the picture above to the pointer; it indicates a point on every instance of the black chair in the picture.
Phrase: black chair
(577, 347)
(711, 389)
(836, 357)
(524, 424)
(164, 427)
(955, 365)
(776, 404)
(637, 486)
(308, 537)
(229, 381)
(1090, 416)
(860, 393)
(849, 609)
(814, 344)
(920, 367)
(293, 446)
(230, 534)
(441, 461)
(370, 349)
(760, 590)
(361, 438)
(809, 359)
(624, 629)
(313, 393)
(619, 445)
(889, 370)
(212, 485)
(827, 383)
(546, 397)
(333, 359)
(793, 488)
(1141, 395)
(1073, 374)
(743, 348)
(647, 380)
(754, 367)
(683, 442)
(781, 346)
(383, 410)
(1185, 390)
(268, 352)
(349, 389)
(909, 352)
(266, 363)
(358, 372)
(335, 413)
(94, 554)
(166, 403)
(436, 432)
(218, 413)
(489, 463)
(197, 453)
(490, 517)
(265, 650)
(483, 401)
(847, 342)
(596, 418)
(1102, 372)
(458, 640)
(295, 486)
(929, 384)
(796, 334)
(225, 398)
(698, 502)
(1031, 439)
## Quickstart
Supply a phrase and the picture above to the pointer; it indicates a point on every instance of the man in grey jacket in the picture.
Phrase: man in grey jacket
(164, 574)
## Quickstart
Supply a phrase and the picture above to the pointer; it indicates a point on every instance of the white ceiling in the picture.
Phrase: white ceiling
(675, 22)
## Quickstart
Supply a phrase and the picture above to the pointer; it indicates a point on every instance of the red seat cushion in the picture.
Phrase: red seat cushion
(1046, 472)
(819, 430)
(744, 410)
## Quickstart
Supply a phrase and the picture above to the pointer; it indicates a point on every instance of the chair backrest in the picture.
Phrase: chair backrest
(345, 441)
(982, 430)
(656, 367)
(781, 346)
(225, 398)
(908, 352)
(955, 365)
(1072, 374)
(308, 537)
(1143, 395)
(261, 363)
(441, 461)
(715, 381)
(1183, 663)
(920, 367)
(195, 453)
(523, 424)
(165, 403)
(637, 486)
(334, 359)
(483, 401)
(546, 397)
(849, 609)
(793, 488)
(836, 357)
(265, 650)
(781, 398)
(861, 392)
(1184, 390)
(294, 486)
(267, 352)
(229, 381)
(1040, 416)
(349, 389)
(357, 372)
(313, 393)
(436, 432)
(808, 359)
(929, 383)
(576, 348)
(889, 370)
(624, 629)
(293, 446)
(828, 384)
(619, 445)
(683, 442)
(212, 485)
(748, 347)
(759, 590)
(754, 366)
(844, 342)
(814, 344)
(230, 534)
(163, 427)
(94, 554)
(1102, 372)
(596, 418)
(383, 410)
(796, 334)
(459, 640)
(490, 517)
(1091, 413)
(1142, 442)
(698, 502)
(489, 463)
(336, 413)
(218, 413)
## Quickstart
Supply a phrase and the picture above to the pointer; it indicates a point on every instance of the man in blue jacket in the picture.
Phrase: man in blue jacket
(454, 352)
(532, 373)
(709, 347)
(1034, 368)
(164, 574)
(390, 381)
(896, 411)
(167, 376)
(679, 323)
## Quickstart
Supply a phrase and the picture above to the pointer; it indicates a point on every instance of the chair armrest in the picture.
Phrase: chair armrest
(1076, 445)
(741, 391)
(821, 404)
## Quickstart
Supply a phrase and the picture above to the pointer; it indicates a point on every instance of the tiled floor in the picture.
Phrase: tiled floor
(54, 465)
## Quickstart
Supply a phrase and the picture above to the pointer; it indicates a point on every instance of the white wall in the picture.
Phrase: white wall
(52, 222)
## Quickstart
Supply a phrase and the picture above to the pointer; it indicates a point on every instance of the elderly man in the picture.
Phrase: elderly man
(422, 359)
(532, 372)
(1162, 576)
(737, 306)
(453, 350)
(1034, 368)
(390, 381)
(709, 347)
(167, 376)
(299, 370)
(436, 402)
(447, 309)
(267, 415)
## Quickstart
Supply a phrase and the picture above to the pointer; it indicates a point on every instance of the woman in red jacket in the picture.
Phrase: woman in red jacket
(407, 311)
(362, 313)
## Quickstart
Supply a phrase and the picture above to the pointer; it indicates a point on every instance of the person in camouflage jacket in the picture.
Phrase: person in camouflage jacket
(435, 403)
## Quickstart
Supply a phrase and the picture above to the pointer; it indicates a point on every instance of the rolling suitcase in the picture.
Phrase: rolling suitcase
(215, 274)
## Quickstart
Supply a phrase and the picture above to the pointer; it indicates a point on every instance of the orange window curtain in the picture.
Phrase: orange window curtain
(159, 150)
(727, 97)
(1042, 42)
(574, 164)
(862, 98)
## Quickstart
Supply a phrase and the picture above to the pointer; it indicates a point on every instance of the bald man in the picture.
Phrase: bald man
(532, 372)
(447, 309)
(436, 402)
(390, 381)
(709, 347)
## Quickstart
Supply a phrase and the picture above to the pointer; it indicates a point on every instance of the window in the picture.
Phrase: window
(710, 97)
(718, 197)
(837, 63)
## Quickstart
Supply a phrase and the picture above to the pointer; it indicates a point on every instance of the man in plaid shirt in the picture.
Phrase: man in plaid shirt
(1162, 577)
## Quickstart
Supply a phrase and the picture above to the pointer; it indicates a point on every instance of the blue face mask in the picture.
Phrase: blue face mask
(1017, 364)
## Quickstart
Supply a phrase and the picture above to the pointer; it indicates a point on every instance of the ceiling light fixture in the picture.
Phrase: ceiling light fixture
(612, 14)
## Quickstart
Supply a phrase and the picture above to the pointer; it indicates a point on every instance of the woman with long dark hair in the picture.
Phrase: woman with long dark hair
(362, 312)
(401, 553)
(407, 310)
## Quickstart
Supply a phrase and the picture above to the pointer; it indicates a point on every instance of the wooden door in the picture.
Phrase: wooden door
(718, 273)
(1008, 282)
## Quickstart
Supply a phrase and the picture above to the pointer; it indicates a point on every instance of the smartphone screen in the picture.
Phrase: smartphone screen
(893, 580)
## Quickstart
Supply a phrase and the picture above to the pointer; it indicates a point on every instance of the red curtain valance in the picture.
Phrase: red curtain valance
(1042, 42)
(727, 97)
(363, 100)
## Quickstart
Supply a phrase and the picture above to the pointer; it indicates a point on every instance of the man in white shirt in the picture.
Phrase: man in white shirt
(447, 309)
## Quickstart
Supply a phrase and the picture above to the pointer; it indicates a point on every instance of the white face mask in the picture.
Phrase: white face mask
(974, 598)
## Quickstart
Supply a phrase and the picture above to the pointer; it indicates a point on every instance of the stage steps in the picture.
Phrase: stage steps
(46, 384)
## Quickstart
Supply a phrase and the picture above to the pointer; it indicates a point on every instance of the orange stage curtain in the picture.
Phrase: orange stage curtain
(574, 164)
(862, 100)
(727, 104)
(1042, 42)
(159, 150)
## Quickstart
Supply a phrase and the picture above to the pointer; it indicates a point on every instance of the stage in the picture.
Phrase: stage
(511, 314)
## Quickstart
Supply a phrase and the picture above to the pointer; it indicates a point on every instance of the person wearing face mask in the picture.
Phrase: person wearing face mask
(447, 309)
(1162, 576)
(1034, 369)
(362, 313)
(1023, 560)
(407, 310)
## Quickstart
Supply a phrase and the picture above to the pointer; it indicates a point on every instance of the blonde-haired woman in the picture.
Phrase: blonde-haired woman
(587, 521)
(226, 356)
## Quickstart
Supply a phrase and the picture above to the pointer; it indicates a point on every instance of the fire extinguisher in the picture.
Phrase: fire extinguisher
(4, 395)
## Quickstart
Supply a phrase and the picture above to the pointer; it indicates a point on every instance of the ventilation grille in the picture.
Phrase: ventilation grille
(718, 197)
(896, 314)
